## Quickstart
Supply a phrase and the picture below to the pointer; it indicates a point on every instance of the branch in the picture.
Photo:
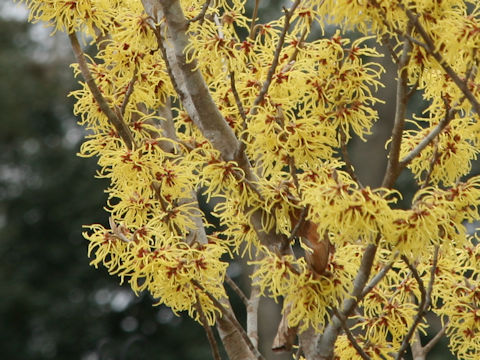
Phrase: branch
(418, 279)
(238, 101)
(252, 313)
(120, 127)
(351, 338)
(188, 80)
(129, 91)
(324, 348)
(195, 96)
(232, 320)
(375, 280)
(428, 139)
(201, 16)
(251, 35)
(237, 290)
(435, 339)
(276, 56)
(393, 169)
(208, 330)
(425, 301)
(416, 347)
(430, 47)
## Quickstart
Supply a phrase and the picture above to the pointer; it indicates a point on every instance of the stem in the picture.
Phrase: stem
(350, 336)
(232, 320)
(276, 56)
(236, 289)
(201, 16)
(428, 139)
(392, 171)
(376, 279)
(324, 348)
(252, 313)
(251, 35)
(430, 47)
(435, 339)
(425, 302)
(120, 127)
(129, 91)
(208, 330)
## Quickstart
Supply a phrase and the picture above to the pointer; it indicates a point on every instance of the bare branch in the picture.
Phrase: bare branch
(276, 56)
(376, 279)
(439, 335)
(417, 277)
(208, 330)
(238, 101)
(252, 313)
(429, 138)
(232, 320)
(201, 16)
(120, 127)
(424, 305)
(188, 81)
(324, 348)
(129, 91)
(237, 290)
(251, 35)
(416, 347)
(351, 338)
(392, 171)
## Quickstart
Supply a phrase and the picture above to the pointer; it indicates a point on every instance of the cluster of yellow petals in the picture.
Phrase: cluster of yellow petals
(174, 272)
(307, 295)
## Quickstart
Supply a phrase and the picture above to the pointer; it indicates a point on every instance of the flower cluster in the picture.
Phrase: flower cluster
(175, 273)
(291, 101)
(307, 296)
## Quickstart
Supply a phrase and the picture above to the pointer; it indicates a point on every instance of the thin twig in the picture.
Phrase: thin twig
(238, 101)
(376, 279)
(232, 320)
(433, 341)
(121, 128)
(425, 303)
(251, 35)
(418, 279)
(431, 166)
(386, 41)
(326, 344)
(129, 91)
(236, 289)
(430, 47)
(350, 336)
(429, 138)
(241, 110)
(276, 56)
(298, 225)
(392, 171)
(201, 16)
(293, 57)
(208, 330)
